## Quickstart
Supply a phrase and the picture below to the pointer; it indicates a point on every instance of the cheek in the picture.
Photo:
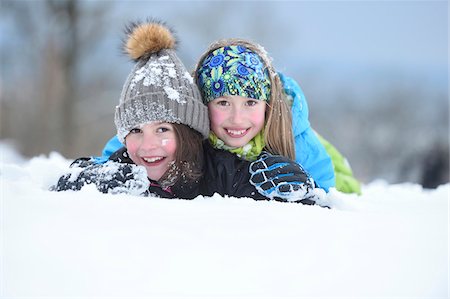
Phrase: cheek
(132, 146)
(169, 145)
(216, 117)
(258, 117)
(258, 120)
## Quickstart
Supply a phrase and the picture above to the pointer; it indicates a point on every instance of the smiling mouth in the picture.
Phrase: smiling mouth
(236, 133)
(153, 160)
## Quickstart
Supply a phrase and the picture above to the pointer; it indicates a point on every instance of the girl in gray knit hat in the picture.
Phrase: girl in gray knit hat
(162, 122)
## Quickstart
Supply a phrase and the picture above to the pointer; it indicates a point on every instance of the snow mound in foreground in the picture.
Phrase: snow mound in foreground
(390, 242)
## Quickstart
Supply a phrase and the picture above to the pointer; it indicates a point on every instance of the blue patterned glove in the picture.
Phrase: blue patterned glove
(277, 177)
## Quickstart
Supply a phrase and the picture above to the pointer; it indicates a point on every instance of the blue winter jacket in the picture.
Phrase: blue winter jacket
(110, 148)
(309, 152)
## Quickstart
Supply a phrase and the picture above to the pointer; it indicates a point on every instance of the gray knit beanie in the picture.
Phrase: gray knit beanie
(159, 88)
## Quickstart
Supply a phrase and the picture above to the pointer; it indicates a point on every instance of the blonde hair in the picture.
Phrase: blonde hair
(278, 135)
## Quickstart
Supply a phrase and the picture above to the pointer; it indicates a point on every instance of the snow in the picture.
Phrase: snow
(155, 72)
(390, 242)
(173, 95)
(158, 73)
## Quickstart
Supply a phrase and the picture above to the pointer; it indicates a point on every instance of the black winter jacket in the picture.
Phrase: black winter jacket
(223, 173)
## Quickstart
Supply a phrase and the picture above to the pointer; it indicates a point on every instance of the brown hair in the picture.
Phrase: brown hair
(188, 165)
(278, 134)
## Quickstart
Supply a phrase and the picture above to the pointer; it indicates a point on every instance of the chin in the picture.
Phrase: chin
(154, 177)
(238, 144)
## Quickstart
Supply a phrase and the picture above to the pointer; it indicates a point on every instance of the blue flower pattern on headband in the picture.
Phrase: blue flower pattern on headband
(233, 70)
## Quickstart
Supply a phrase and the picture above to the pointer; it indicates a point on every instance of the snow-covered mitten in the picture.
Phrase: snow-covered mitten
(111, 177)
(277, 177)
(123, 178)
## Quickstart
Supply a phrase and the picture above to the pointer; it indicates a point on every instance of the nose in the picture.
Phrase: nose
(236, 114)
(149, 141)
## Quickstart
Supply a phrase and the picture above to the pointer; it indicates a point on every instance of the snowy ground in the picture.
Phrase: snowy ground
(390, 242)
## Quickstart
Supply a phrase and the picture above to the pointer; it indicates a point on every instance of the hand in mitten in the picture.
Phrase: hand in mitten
(277, 177)
(117, 178)
(111, 177)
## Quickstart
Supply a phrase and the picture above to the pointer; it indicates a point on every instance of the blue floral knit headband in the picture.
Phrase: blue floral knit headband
(233, 70)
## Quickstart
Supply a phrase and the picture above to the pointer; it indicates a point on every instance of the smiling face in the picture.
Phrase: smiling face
(153, 146)
(235, 119)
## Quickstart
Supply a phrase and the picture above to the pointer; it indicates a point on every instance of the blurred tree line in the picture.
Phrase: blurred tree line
(400, 134)
(48, 103)
(41, 95)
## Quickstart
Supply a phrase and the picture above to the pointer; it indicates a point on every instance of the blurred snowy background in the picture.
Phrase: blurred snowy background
(375, 73)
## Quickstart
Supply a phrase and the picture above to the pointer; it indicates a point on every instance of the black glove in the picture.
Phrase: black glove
(277, 177)
(110, 177)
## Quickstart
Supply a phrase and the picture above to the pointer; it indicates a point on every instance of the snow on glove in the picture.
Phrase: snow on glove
(277, 177)
(111, 177)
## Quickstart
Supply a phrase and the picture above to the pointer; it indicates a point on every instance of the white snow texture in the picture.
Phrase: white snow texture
(390, 242)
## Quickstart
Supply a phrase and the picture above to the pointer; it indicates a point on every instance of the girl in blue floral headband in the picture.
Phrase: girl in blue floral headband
(253, 108)
(247, 109)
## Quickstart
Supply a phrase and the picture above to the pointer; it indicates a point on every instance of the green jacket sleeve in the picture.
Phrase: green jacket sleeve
(345, 181)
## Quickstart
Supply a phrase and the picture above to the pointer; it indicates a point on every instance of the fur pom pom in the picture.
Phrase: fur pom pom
(144, 39)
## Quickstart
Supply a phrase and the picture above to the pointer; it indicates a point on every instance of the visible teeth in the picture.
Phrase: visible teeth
(236, 132)
(151, 160)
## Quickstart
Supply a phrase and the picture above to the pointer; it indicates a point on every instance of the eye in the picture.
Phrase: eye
(251, 103)
(135, 131)
(223, 103)
(163, 129)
